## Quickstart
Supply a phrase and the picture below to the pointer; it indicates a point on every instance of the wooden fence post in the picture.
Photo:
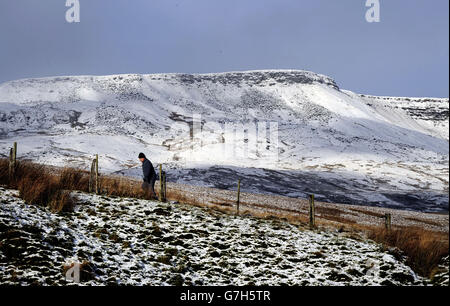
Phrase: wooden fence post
(96, 175)
(10, 164)
(91, 176)
(312, 212)
(12, 161)
(15, 154)
(238, 196)
(387, 221)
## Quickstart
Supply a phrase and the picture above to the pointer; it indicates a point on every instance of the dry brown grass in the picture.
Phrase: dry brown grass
(37, 190)
(37, 185)
(124, 187)
(61, 201)
(74, 179)
(424, 248)
(4, 164)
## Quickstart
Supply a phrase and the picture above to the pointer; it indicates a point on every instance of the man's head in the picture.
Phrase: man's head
(141, 157)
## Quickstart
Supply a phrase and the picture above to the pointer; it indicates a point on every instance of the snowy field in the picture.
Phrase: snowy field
(139, 242)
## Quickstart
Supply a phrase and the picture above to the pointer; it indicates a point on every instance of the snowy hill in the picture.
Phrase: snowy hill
(342, 146)
(125, 241)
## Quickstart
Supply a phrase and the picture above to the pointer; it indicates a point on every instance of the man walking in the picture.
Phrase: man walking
(149, 175)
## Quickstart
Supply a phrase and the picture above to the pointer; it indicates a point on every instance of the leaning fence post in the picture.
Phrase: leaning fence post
(238, 196)
(96, 174)
(387, 221)
(312, 212)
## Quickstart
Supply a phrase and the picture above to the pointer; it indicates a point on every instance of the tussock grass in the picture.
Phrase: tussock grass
(74, 179)
(61, 201)
(424, 249)
(38, 185)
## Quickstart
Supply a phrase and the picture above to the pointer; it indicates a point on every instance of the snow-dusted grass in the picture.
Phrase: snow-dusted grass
(140, 242)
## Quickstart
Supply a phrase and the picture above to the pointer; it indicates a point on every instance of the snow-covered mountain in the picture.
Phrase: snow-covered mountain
(342, 146)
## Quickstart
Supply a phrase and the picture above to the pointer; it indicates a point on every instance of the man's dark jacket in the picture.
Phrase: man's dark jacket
(148, 171)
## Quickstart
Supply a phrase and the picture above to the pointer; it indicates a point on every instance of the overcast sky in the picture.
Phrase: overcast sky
(406, 54)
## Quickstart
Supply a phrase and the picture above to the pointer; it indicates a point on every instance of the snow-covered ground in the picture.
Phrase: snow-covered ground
(342, 146)
(139, 242)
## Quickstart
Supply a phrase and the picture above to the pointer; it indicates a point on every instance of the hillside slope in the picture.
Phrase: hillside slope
(137, 242)
(342, 146)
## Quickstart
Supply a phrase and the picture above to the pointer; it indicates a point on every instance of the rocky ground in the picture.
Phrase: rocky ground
(138, 242)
